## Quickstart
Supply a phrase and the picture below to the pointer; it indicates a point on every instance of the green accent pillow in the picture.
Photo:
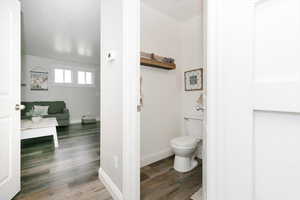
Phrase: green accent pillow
(41, 110)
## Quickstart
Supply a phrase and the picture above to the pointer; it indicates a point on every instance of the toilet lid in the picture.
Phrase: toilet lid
(185, 141)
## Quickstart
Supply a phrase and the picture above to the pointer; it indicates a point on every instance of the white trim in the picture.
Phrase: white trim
(204, 127)
(63, 70)
(109, 185)
(131, 78)
(72, 85)
(204, 123)
(214, 189)
(86, 84)
(152, 158)
(74, 73)
(222, 134)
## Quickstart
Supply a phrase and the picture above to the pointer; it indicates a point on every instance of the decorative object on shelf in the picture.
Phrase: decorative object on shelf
(153, 60)
(88, 119)
(193, 79)
(39, 81)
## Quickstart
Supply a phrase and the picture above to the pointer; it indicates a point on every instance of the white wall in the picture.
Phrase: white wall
(79, 100)
(112, 92)
(160, 116)
(165, 102)
(192, 58)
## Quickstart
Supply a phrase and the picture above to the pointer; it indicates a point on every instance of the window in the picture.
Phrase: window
(62, 76)
(73, 76)
(85, 78)
(81, 77)
(88, 78)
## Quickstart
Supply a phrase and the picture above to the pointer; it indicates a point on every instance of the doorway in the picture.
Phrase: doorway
(60, 72)
(173, 91)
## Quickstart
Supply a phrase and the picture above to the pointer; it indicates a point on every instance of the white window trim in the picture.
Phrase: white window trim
(74, 72)
(62, 67)
(85, 71)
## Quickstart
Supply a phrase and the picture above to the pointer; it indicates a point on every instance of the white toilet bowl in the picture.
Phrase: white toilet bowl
(184, 148)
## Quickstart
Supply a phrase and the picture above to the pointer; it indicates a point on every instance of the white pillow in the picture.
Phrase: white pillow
(41, 110)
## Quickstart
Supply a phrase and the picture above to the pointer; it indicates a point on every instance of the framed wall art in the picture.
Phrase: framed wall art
(193, 79)
(39, 81)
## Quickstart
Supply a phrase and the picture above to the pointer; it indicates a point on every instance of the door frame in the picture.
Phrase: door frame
(213, 126)
(226, 97)
(131, 85)
(131, 150)
(215, 179)
(131, 143)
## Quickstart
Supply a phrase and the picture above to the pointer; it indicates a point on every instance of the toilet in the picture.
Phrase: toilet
(185, 147)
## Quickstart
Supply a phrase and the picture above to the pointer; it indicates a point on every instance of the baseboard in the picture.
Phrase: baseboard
(110, 185)
(146, 160)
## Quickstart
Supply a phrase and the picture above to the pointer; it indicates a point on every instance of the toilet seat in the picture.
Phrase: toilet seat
(185, 142)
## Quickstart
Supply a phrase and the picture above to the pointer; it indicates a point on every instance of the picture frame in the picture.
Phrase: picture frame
(193, 80)
(39, 81)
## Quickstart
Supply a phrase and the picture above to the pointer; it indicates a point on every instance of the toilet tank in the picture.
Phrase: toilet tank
(193, 126)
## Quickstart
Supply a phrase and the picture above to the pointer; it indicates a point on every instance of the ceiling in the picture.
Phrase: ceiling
(70, 30)
(62, 29)
(181, 10)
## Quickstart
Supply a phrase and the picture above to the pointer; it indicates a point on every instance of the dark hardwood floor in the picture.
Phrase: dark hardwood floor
(69, 172)
(159, 181)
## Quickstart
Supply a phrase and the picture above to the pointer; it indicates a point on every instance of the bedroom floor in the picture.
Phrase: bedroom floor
(69, 172)
(159, 181)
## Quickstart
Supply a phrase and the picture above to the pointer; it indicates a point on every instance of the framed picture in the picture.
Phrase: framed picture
(193, 79)
(39, 80)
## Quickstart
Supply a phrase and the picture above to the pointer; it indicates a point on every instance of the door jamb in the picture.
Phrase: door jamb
(131, 131)
(214, 125)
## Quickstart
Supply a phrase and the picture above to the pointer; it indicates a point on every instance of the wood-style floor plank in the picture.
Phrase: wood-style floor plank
(69, 172)
(159, 181)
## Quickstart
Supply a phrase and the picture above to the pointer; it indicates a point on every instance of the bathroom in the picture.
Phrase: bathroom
(171, 107)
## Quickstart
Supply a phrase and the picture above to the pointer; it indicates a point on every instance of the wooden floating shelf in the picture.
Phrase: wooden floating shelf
(157, 64)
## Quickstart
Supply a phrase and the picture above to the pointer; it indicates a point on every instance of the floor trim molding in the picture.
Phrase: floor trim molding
(110, 185)
(147, 160)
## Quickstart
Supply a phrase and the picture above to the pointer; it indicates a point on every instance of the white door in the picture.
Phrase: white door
(9, 98)
(253, 100)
